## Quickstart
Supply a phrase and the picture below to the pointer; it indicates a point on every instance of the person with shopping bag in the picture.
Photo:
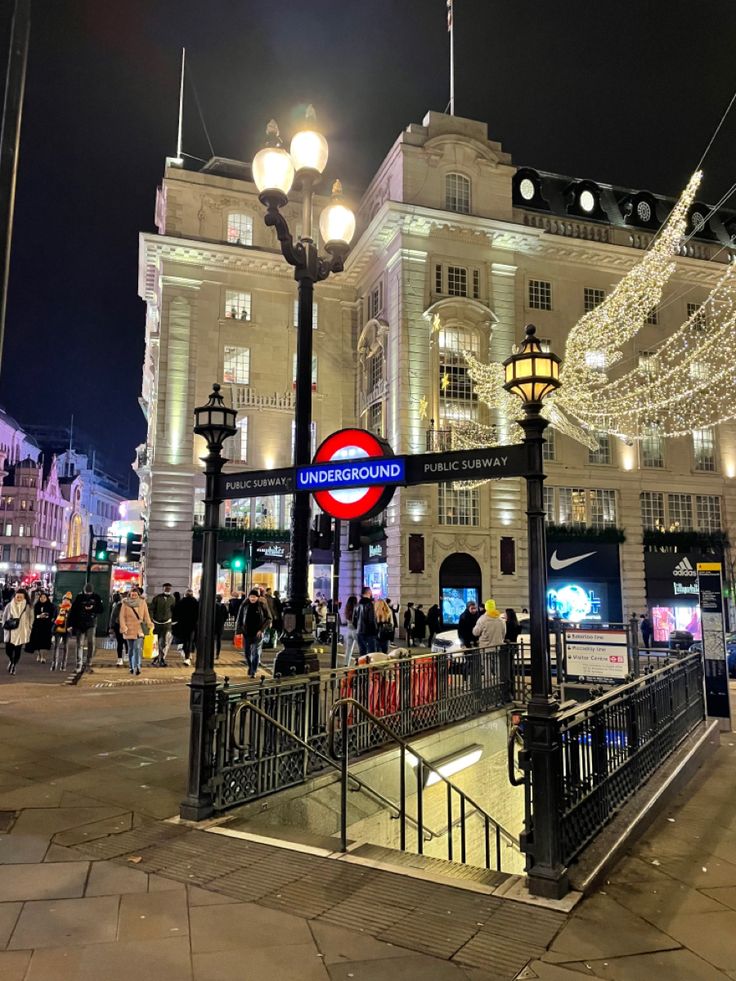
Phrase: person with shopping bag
(253, 620)
(135, 624)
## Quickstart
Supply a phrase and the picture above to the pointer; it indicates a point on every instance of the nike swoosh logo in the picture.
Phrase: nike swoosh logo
(564, 563)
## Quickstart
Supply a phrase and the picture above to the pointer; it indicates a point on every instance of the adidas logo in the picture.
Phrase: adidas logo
(684, 568)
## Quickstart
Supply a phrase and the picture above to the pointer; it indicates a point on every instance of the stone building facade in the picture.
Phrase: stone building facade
(448, 226)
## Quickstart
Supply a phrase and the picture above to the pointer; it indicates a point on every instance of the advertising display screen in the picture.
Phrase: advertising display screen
(665, 619)
(454, 601)
(578, 600)
(376, 576)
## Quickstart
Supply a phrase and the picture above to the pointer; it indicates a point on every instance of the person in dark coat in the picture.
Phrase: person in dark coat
(408, 623)
(434, 621)
(646, 630)
(44, 613)
(186, 616)
(221, 613)
(468, 619)
(420, 625)
(513, 627)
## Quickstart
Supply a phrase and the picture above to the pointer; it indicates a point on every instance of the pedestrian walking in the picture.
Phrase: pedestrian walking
(513, 627)
(645, 626)
(221, 615)
(364, 621)
(162, 615)
(184, 627)
(44, 612)
(60, 634)
(17, 626)
(409, 623)
(420, 625)
(384, 625)
(468, 619)
(252, 621)
(278, 615)
(86, 607)
(490, 628)
(350, 641)
(434, 621)
(135, 623)
(122, 644)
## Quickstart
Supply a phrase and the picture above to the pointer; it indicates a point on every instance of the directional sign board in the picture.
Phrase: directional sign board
(596, 655)
(493, 463)
(256, 483)
(710, 587)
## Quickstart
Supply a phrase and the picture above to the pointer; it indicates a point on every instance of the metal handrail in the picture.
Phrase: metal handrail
(342, 706)
(386, 801)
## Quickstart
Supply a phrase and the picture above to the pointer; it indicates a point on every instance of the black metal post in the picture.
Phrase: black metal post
(197, 805)
(335, 591)
(90, 551)
(547, 876)
(15, 81)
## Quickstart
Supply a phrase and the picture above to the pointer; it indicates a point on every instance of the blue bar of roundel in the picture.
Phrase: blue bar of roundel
(348, 474)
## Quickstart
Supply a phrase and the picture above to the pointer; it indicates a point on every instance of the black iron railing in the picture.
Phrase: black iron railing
(460, 807)
(252, 756)
(607, 748)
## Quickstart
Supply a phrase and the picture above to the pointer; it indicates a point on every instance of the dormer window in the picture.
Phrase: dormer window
(457, 193)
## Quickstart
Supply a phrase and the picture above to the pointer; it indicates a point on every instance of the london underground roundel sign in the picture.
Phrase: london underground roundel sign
(357, 455)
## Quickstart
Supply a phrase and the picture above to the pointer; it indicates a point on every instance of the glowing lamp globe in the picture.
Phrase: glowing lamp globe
(532, 373)
(309, 148)
(272, 167)
(337, 221)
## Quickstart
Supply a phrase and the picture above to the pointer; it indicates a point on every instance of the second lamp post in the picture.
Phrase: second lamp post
(274, 171)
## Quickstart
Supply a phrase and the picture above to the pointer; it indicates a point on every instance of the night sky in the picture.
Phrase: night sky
(626, 92)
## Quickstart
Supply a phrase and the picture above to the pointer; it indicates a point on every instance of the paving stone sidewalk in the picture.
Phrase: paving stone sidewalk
(95, 884)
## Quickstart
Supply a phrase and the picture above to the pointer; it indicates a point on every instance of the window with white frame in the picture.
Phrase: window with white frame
(592, 298)
(652, 509)
(457, 281)
(457, 193)
(545, 344)
(315, 321)
(653, 317)
(237, 305)
(476, 284)
(708, 508)
(602, 508)
(572, 505)
(680, 508)
(698, 315)
(704, 450)
(374, 371)
(645, 364)
(652, 449)
(236, 365)
(540, 294)
(314, 372)
(375, 418)
(313, 439)
(239, 229)
(458, 400)
(458, 506)
(375, 300)
(549, 504)
(549, 447)
(240, 440)
(602, 453)
(438, 278)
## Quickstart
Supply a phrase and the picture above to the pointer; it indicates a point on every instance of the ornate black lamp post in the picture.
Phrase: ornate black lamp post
(532, 374)
(274, 170)
(216, 422)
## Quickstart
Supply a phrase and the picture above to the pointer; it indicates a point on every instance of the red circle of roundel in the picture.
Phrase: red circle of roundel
(375, 498)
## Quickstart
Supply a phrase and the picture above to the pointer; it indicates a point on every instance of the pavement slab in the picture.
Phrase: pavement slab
(139, 960)
(667, 965)
(293, 962)
(412, 967)
(44, 881)
(9, 913)
(14, 965)
(19, 848)
(66, 923)
(604, 928)
(215, 928)
(153, 916)
(110, 879)
(712, 936)
(338, 944)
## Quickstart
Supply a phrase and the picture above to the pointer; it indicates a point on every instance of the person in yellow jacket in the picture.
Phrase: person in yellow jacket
(490, 628)
(134, 619)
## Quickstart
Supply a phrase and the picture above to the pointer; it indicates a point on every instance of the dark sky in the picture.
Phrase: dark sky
(624, 91)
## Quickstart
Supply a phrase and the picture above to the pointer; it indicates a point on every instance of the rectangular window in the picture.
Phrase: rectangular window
(438, 279)
(375, 418)
(602, 508)
(653, 317)
(236, 365)
(652, 509)
(603, 453)
(314, 372)
(476, 284)
(315, 321)
(21, 531)
(8, 529)
(680, 507)
(6, 553)
(652, 451)
(457, 281)
(549, 448)
(375, 300)
(645, 363)
(374, 370)
(545, 343)
(241, 438)
(704, 450)
(458, 399)
(239, 229)
(572, 506)
(459, 506)
(540, 294)
(709, 512)
(592, 298)
(237, 305)
(457, 193)
(698, 315)
(549, 504)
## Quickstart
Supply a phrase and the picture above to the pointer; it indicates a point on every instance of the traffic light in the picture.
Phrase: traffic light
(101, 553)
(320, 535)
(237, 563)
(133, 547)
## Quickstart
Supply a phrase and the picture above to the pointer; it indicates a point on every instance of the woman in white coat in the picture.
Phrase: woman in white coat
(17, 624)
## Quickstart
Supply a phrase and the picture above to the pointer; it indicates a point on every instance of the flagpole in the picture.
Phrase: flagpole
(181, 105)
(451, 29)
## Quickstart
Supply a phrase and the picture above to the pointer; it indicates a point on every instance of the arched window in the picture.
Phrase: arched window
(458, 399)
(457, 193)
(239, 229)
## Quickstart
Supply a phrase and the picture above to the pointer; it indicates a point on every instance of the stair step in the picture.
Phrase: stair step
(437, 866)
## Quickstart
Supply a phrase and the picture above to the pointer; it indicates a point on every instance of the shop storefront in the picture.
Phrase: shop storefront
(375, 568)
(584, 581)
(270, 565)
(672, 592)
